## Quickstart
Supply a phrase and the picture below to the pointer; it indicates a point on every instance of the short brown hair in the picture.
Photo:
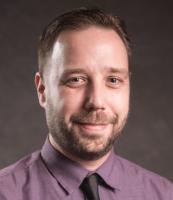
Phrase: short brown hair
(76, 20)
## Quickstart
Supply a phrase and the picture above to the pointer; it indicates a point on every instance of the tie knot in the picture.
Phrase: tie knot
(89, 187)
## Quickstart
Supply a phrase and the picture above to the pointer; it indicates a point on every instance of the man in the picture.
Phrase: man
(83, 86)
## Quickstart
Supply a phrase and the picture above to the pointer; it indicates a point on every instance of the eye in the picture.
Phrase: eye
(113, 81)
(76, 81)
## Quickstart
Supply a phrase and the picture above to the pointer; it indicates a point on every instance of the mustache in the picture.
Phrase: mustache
(94, 117)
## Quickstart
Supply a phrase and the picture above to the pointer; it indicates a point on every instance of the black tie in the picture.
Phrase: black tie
(89, 187)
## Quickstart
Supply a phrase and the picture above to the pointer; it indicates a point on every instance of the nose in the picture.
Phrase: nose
(95, 97)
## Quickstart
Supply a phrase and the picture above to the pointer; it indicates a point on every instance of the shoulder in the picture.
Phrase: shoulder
(144, 179)
(19, 166)
(15, 175)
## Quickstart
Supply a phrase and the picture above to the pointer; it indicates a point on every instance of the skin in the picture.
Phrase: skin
(87, 90)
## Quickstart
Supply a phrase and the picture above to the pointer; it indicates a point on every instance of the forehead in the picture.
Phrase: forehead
(94, 48)
(92, 35)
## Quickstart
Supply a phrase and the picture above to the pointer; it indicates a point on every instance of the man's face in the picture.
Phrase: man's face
(87, 91)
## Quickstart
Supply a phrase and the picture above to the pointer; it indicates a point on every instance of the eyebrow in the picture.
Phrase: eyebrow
(106, 69)
(116, 70)
(73, 71)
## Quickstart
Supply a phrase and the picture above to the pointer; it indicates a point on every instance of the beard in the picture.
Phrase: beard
(84, 146)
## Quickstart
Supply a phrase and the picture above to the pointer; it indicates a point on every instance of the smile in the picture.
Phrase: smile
(93, 127)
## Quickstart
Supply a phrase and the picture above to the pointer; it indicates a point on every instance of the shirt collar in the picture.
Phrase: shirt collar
(110, 172)
(70, 174)
(67, 172)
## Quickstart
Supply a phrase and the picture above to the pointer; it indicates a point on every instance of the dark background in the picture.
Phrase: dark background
(147, 139)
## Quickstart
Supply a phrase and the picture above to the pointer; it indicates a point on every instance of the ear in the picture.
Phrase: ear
(40, 86)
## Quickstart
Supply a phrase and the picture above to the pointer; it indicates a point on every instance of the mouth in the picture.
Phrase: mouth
(90, 127)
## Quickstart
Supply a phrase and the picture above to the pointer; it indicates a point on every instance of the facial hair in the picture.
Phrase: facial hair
(78, 144)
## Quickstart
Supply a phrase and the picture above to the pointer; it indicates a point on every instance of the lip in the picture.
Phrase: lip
(93, 127)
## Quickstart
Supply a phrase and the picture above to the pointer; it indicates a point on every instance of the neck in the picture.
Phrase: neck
(90, 165)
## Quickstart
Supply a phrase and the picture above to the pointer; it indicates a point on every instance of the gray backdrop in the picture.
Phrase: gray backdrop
(147, 139)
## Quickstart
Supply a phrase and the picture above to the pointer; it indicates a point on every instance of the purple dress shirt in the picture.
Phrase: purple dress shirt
(48, 175)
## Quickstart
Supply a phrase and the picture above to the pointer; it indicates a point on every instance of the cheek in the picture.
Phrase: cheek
(72, 101)
(119, 102)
